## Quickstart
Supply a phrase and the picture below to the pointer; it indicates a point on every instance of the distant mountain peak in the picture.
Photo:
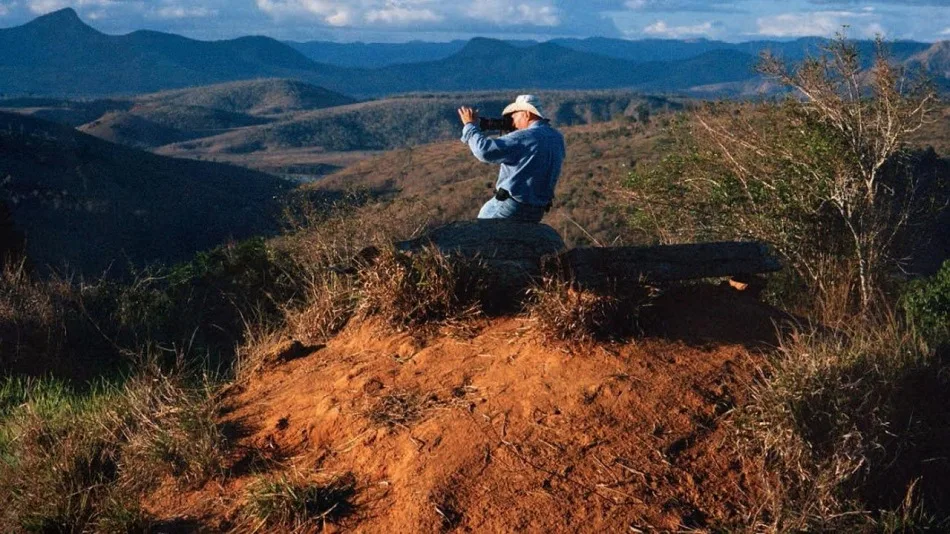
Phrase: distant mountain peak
(67, 14)
(63, 19)
(935, 59)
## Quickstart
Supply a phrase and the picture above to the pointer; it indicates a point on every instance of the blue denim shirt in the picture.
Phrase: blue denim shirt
(530, 160)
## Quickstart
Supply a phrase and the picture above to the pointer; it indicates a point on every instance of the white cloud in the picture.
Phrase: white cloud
(822, 23)
(401, 15)
(180, 12)
(45, 6)
(670, 6)
(539, 13)
(402, 12)
(332, 12)
(5, 9)
(662, 29)
(875, 28)
(41, 7)
(945, 32)
(505, 13)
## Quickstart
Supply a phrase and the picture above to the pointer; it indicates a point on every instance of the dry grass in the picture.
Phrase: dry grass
(299, 506)
(331, 300)
(564, 312)
(843, 421)
(404, 406)
(80, 462)
(322, 236)
(168, 429)
(424, 287)
(32, 315)
(399, 408)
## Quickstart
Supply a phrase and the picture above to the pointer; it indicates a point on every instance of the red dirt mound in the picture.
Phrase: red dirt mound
(501, 432)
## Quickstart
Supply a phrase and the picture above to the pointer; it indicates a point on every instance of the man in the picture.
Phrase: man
(530, 159)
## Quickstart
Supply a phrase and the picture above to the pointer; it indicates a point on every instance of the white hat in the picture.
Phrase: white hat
(529, 103)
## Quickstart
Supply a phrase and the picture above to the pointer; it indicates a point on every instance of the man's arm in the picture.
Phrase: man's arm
(488, 150)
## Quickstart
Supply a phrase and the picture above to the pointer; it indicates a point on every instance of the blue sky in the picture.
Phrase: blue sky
(441, 20)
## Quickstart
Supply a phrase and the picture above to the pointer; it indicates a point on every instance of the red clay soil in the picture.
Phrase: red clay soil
(506, 433)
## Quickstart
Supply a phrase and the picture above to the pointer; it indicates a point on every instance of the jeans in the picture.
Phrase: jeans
(511, 209)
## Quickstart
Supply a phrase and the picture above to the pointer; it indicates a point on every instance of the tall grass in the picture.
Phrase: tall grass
(81, 461)
(423, 287)
(842, 422)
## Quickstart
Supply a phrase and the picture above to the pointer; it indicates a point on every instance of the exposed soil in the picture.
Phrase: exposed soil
(501, 432)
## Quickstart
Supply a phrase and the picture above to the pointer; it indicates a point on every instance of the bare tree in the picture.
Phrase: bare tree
(872, 127)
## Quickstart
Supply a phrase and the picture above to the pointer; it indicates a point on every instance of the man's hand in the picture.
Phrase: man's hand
(468, 115)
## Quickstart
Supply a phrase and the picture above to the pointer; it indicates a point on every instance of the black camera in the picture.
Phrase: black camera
(504, 125)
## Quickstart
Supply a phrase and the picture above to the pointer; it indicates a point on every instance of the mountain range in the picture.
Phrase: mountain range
(59, 55)
(375, 55)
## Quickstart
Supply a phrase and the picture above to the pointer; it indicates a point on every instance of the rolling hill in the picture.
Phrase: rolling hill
(936, 61)
(410, 121)
(648, 50)
(158, 119)
(253, 97)
(375, 55)
(94, 206)
(133, 130)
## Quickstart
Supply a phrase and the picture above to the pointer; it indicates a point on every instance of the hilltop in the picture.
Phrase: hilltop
(501, 431)
(91, 206)
(156, 119)
(253, 97)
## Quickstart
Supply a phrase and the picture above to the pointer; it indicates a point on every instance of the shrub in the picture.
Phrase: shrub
(199, 307)
(167, 428)
(80, 330)
(427, 286)
(927, 304)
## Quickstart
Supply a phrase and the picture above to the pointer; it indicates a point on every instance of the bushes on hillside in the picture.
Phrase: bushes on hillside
(824, 178)
(79, 329)
(927, 303)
